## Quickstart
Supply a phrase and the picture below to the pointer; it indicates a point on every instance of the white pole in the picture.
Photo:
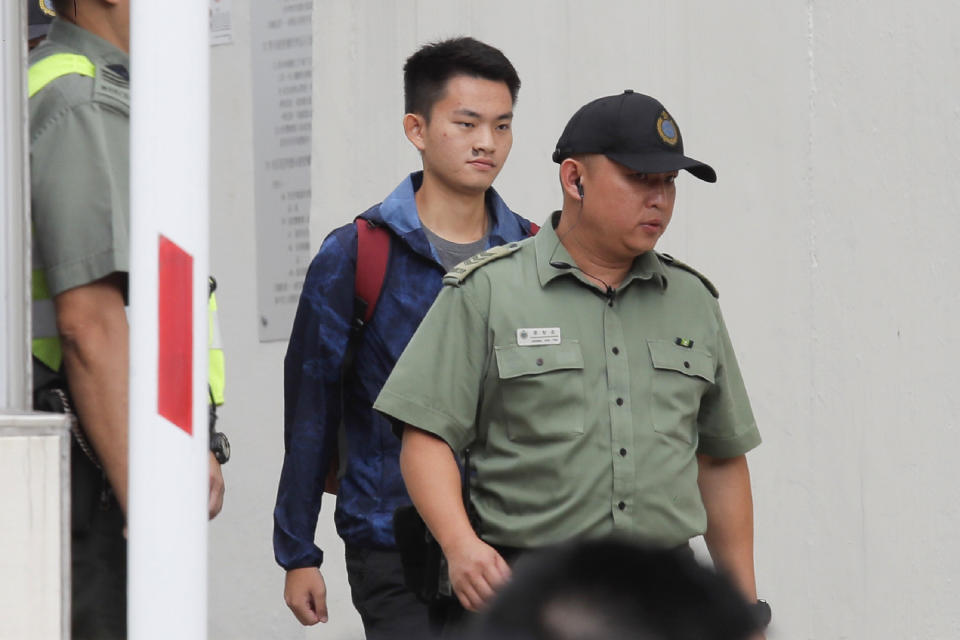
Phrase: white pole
(169, 126)
(15, 362)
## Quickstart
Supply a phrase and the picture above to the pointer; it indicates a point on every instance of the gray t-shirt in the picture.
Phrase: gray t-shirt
(453, 253)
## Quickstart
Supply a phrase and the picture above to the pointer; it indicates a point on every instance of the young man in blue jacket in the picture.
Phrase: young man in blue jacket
(459, 96)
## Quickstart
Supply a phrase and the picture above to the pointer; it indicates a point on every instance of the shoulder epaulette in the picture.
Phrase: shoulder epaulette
(463, 270)
(56, 65)
(669, 259)
(112, 87)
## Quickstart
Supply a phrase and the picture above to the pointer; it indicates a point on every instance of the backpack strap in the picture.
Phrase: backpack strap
(373, 255)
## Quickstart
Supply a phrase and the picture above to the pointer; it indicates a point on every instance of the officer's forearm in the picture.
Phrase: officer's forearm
(433, 481)
(725, 488)
(95, 342)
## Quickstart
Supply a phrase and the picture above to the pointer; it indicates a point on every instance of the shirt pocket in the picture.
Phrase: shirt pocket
(541, 391)
(681, 377)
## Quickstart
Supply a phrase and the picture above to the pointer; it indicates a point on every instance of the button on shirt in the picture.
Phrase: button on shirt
(595, 434)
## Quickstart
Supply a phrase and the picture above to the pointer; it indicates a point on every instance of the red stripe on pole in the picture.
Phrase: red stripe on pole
(175, 335)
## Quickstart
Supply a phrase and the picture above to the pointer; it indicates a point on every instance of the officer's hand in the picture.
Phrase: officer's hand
(215, 501)
(476, 572)
(305, 593)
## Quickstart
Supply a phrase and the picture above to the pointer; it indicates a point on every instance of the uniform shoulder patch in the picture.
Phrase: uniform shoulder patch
(670, 260)
(111, 87)
(462, 271)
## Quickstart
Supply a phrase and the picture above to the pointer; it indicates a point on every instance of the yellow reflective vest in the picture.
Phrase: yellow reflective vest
(46, 340)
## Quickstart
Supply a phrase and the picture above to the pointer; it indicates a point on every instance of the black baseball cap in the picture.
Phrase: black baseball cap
(39, 15)
(632, 129)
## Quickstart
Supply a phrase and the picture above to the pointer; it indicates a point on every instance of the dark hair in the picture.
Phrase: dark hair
(427, 71)
(610, 590)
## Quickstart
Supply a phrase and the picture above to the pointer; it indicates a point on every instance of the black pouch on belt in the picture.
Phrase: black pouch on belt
(424, 565)
(420, 554)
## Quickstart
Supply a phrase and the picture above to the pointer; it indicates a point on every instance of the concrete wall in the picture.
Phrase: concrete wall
(834, 128)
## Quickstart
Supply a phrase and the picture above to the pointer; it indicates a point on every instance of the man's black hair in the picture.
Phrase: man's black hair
(610, 590)
(427, 71)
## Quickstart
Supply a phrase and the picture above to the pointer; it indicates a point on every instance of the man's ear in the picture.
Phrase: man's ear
(571, 177)
(414, 125)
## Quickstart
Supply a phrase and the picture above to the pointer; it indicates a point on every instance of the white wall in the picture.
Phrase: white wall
(246, 585)
(834, 128)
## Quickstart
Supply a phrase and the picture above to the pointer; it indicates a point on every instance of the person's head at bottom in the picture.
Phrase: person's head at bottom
(614, 590)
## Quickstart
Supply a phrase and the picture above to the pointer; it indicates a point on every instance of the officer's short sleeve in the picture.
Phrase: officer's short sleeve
(435, 386)
(727, 426)
(80, 184)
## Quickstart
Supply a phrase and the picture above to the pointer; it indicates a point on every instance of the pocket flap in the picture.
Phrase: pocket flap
(691, 362)
(514, 361)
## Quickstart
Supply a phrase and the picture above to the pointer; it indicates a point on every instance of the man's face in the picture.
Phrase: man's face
(624, 211)
(469, 136)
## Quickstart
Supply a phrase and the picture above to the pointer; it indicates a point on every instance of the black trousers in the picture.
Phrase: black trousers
(388, 609)
(99, 555)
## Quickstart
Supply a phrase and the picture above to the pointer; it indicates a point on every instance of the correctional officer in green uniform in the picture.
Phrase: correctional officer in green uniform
(79, 164)
(592, 378)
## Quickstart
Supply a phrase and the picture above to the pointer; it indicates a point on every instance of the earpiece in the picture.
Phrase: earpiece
(580, 188)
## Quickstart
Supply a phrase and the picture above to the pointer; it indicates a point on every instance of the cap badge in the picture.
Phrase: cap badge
(47, 7)
(667, 129)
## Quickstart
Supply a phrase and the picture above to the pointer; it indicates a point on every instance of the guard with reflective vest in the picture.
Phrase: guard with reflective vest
(46, 340)
(79, 155)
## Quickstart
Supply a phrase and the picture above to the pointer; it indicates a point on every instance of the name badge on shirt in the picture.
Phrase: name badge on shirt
(535, 337)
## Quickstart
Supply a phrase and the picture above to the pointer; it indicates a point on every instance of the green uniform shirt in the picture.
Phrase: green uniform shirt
(583, 416)
(80, 163)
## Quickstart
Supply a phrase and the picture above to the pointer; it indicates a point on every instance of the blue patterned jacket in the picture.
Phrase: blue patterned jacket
(372, 488)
